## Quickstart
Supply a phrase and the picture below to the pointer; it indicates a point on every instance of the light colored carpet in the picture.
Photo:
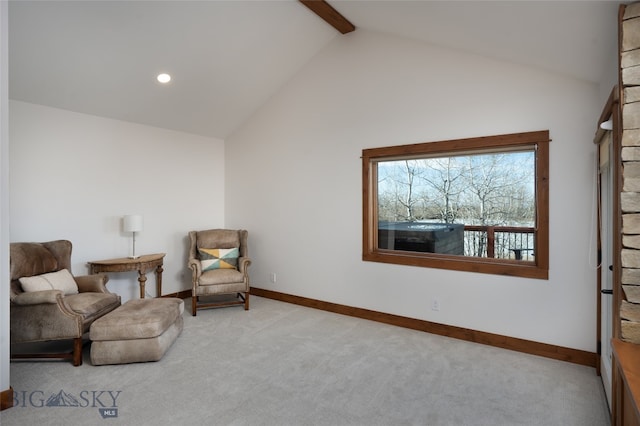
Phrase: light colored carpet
(282, 364)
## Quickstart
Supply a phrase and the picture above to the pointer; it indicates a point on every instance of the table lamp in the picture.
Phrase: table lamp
(133, 223)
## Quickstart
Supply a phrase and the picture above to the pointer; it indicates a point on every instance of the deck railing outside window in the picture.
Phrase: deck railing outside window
(500, 242)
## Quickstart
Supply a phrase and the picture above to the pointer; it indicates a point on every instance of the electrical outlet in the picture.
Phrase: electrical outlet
(272, 277)
(435, 304)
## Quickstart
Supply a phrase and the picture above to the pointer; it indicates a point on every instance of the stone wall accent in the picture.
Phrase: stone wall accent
(632, 292)
(631, 137)
(631, 177)
(631, 241)
(631, 311)
(630, 196)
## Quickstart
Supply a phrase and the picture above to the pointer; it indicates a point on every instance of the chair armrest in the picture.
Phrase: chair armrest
(195, 266)
(243, 264)
(37, 297)
(95, 283)
(44, 315)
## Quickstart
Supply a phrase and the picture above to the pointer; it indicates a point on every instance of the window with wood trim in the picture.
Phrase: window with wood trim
(478, 204)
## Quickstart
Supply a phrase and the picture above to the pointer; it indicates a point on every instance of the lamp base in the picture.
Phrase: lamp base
(134, 257)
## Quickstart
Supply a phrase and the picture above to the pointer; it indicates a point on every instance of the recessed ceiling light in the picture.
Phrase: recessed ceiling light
(164, 78)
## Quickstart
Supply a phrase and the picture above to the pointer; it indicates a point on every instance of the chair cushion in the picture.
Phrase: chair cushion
(221, 276)
(90, 304)
(59, 280)
(218, 258)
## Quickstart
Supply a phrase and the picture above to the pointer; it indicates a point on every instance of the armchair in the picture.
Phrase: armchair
(219, 264)
(64, 312)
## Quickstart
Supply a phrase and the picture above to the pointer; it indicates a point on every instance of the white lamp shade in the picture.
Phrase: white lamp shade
(133, 223)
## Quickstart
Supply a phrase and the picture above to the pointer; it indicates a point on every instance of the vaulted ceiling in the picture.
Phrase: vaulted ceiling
(227, 58)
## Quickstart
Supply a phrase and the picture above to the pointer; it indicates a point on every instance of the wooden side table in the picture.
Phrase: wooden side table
(141, 264)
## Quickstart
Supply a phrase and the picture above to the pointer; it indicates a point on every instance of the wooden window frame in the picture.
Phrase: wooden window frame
(539, 268)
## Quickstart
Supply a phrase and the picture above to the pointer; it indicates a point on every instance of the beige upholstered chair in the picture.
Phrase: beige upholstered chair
(65, 310)
(219, 262)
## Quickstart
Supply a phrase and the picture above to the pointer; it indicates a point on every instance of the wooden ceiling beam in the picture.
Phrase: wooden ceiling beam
(329, 14)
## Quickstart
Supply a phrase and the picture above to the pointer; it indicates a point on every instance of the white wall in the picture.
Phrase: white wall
(294, 181)
(73, 176)
(4, 197)
(610, 77)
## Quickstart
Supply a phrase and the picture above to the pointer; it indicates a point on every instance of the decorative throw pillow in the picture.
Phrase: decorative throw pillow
(60, 280)
(219, 258)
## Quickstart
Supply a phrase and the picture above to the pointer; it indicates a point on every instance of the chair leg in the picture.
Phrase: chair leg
(194, 302)
(246, 301)
(77, 351)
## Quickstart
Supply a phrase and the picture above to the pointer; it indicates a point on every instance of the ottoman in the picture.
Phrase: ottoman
(140, 330)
